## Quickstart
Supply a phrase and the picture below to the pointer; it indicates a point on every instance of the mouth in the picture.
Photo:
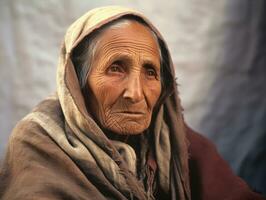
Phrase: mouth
(131, 113)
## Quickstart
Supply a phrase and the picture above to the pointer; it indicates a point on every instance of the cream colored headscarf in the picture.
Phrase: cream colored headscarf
(59, 152)
(171, 157)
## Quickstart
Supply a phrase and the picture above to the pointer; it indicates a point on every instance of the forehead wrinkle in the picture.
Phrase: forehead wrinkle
(111, 54)
(118, 40)
(111, 47)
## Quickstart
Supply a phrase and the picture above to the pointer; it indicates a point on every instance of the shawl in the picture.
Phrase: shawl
(59, 152)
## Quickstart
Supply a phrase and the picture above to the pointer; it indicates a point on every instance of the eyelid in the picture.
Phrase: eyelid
(117, 64)
(151, 66)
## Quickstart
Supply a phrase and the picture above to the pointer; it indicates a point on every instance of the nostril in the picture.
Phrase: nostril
(134, 94)
(133, 90)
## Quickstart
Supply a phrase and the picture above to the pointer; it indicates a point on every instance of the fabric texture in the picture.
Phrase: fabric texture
(59, 152)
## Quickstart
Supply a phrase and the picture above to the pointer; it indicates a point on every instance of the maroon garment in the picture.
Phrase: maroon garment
(210, 176)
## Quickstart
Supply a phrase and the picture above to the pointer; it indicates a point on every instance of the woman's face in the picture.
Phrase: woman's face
(125, 79)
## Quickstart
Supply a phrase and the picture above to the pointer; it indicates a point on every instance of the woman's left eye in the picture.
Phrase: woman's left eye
(151, 72)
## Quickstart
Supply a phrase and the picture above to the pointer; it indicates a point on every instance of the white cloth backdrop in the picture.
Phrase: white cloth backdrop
(218, 48)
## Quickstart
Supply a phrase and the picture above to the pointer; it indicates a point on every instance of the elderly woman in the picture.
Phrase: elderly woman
(114, 130)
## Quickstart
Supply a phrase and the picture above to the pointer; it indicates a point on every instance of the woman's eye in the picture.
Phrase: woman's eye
(115, 68)
(151, 72)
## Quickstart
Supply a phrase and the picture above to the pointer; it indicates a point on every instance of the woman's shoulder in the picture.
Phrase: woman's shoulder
(210, 175)
(32, 131)
(34, 162)
(47, 110)
(33, 127)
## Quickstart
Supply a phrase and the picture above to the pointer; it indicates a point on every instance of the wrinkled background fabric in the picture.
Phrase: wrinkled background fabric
(218, 47)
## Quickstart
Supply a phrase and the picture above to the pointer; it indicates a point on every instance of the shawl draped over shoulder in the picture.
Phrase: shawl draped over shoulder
(59, 152)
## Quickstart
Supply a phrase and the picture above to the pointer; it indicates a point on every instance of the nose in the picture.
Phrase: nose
(133, 89)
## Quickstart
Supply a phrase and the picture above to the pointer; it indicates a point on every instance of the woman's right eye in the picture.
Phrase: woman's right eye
(115, 68)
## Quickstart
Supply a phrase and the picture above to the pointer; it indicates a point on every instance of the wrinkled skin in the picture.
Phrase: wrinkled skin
(125, 79)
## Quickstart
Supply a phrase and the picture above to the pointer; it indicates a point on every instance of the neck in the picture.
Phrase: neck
(131, 140)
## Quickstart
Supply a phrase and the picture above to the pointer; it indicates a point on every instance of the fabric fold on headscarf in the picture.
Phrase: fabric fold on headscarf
(84, 146)
(76, 115)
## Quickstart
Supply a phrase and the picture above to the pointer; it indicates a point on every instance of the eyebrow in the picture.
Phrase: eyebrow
(151, 63)
(125, 56)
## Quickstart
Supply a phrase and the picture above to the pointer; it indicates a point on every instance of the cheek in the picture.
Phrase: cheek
(152, 93)
(106, 90)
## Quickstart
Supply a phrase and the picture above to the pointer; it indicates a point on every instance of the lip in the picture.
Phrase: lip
(131, 113)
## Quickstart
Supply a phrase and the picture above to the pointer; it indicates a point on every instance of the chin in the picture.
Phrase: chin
(126, 125)
(128, 129)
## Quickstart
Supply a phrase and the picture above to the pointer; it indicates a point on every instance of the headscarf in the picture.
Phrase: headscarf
(95, 163)
(172, 157)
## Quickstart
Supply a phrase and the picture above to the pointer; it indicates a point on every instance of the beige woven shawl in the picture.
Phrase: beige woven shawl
(72, 129)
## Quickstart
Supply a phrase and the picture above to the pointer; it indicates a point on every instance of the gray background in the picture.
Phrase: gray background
(218, 48)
